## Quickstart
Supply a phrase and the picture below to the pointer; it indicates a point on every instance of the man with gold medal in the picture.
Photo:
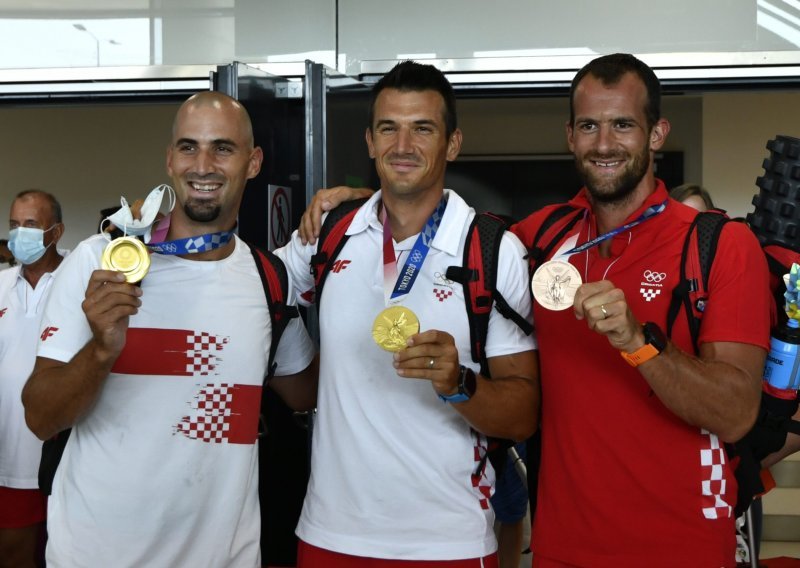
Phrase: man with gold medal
(397, 475)
(156, 358)
(633, 422)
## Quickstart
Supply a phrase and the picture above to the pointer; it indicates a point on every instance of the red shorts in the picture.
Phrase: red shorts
(21, 507)
(309, 556)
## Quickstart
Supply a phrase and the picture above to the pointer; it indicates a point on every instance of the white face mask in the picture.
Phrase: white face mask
(123, 219)
(27, 244)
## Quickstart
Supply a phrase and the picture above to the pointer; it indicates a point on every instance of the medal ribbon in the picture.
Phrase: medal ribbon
(396, 285)
(190, 245)
(648, 213)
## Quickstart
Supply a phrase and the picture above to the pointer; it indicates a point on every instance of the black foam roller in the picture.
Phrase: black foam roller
(776, 218)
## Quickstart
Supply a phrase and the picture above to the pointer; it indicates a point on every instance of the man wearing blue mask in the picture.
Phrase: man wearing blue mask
(35, 228)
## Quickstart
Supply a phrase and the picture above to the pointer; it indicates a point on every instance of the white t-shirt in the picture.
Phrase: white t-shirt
(21, 309)
(163, 470)
(392, 465)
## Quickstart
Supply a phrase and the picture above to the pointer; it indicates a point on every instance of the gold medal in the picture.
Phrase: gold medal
(393, 327)
(554, 284)
(127, 255)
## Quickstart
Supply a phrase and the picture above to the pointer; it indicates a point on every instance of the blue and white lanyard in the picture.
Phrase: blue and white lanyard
(408, 275)
(648, 213)
(192, 245)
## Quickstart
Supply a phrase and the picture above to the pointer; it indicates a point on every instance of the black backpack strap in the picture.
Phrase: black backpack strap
(778, 269)
(538, 252)
(776, 266)
(52, 450)
(331, 239)
(478, 276)
(275, 282)
(767, 435)
(490, 234)
(707, 226)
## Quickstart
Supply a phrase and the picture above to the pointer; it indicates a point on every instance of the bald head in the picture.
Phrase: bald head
(210, 159)
(227, 106)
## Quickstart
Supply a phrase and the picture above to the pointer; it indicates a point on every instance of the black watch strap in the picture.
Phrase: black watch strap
(467, 384)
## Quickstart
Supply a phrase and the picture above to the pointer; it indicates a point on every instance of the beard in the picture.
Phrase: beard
(619, 188)
(201, 211)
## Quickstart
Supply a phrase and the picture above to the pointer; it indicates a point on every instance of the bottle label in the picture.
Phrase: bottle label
(782, 366)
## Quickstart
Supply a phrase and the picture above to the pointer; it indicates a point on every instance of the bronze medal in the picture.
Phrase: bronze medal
(554, 284)
(127, 255)
(393, 326)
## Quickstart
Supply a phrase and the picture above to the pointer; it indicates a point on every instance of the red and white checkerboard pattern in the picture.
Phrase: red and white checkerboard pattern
(201, 359)
(479, 479)
(209, 421)
(712, 465)
(442, 293)
(649, 293)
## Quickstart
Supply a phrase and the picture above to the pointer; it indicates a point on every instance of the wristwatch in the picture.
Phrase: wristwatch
(654, 343)
(467, 383)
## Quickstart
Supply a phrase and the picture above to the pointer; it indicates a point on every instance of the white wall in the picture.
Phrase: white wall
(736, 128)
(87, 156)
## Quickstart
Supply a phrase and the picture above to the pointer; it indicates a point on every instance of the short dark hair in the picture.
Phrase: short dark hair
(55, 206)
(610, 69)
(413, 76)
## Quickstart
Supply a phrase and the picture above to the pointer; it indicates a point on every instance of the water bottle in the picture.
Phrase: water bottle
(779, 399)
(781, 376)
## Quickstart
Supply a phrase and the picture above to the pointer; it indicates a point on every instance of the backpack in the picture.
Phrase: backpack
(477, 275)
(689, 296)
(774, 421)
(275, 282)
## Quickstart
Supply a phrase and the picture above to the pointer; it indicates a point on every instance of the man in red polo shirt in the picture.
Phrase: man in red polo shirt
(634, 472)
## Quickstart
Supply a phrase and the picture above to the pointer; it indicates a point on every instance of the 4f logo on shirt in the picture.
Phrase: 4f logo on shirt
(651, 284)
(340, 265)
(3, 312)
(48, 332)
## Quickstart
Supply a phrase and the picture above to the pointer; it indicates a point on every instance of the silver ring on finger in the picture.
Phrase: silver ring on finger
(430, 363)
(603, 309)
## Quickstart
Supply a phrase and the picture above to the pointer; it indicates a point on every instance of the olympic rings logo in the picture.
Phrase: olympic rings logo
(651, 276)
(416, 256)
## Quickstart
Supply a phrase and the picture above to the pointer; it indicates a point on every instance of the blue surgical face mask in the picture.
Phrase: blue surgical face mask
(27, 244)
